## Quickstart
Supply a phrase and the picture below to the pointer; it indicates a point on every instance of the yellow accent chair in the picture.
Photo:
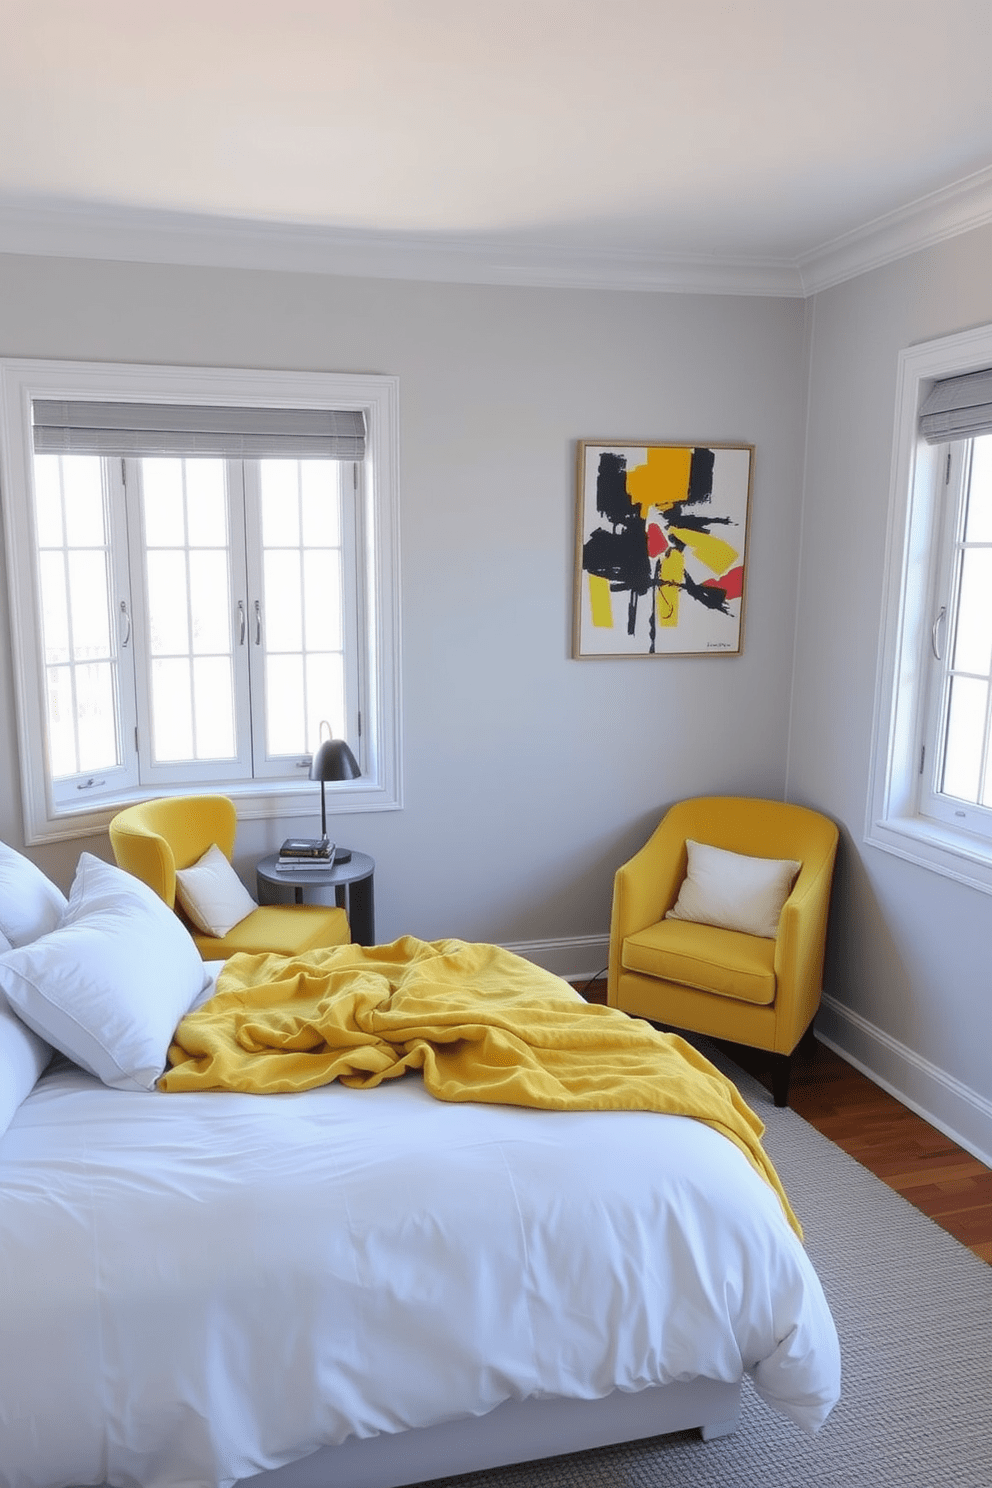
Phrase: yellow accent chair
(743, 988)
(154, 839)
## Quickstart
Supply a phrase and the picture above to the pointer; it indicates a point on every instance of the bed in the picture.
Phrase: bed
(343, 1286)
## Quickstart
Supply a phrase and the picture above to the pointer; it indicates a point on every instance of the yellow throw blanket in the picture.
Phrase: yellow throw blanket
(481, 1024)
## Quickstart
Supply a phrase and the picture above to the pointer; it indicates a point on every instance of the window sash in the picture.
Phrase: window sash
(164, 636)
(343, 713)
(115, 767)
(945, 795)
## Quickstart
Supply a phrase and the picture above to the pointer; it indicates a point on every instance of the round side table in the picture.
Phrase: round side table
(351, 882)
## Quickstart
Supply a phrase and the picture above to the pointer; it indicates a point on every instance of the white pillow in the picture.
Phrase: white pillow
(212, 894)
(109, 986)
(732, 891)
(30, 904)
(23, 1057)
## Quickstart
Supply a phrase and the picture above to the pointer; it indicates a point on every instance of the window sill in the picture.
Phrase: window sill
(933, 845)
(255, 801)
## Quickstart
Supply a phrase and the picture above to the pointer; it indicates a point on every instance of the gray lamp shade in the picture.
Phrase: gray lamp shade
(332, 760)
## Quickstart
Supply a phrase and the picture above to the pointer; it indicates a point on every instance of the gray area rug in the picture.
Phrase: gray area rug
(913, 1309)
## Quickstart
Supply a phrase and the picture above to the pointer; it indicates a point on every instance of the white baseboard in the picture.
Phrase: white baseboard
(577, 959)
(952, 1107)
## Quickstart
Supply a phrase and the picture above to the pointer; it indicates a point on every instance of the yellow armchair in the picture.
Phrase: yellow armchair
(743, 988)
(153, 839)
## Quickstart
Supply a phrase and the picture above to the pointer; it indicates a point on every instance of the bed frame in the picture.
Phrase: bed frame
(516, 1431)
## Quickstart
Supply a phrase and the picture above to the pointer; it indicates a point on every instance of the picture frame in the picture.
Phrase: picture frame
(661, 549)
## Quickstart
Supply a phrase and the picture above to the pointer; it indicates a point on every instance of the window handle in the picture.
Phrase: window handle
(241, 622)
(258, 623)
(933, 633)
(127, 624)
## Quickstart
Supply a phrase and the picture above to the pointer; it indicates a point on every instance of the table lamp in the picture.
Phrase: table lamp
(332, 760)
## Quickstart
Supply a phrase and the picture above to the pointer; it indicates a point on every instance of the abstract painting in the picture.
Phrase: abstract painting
(662, 549)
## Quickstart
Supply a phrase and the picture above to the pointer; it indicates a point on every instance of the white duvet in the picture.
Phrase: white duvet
(197, 1287)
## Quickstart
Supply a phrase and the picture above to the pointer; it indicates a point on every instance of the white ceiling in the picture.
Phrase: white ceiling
(767, 144)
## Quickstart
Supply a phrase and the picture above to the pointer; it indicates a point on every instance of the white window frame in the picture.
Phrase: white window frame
(896, 821)
(21, 382)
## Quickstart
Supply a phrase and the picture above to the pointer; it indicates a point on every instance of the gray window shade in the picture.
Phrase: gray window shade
(85, 428)
(958, 408)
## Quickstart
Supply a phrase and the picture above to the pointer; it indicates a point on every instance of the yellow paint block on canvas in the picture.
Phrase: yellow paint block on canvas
(662, 480)
(716, 554)
(600, 603)
(672, 573)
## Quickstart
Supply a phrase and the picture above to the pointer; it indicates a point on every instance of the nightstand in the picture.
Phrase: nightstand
(351, 882)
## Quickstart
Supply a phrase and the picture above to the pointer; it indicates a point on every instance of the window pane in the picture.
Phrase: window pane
(48, 500)
(321, 503)
(280, 503)
(283, 601)
(89, 603)
(978, 523)
(973, 639)
(162, 491)
(168, 628)
(96, 716)
(61, 723)
(285, 719)
(210, 604)
(54, 607)
(325, 698)
(206, 503)
(213, 699)
(965, 738)
(172, 711)
(322, 600)
(84, 512)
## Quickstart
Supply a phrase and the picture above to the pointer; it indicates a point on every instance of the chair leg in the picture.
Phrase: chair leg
(781, 1071)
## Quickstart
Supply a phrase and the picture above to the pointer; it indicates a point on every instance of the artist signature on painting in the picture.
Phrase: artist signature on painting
(718, 646)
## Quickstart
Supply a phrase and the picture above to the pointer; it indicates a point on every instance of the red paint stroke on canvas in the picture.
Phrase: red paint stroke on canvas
(732, 583)
(657, 541)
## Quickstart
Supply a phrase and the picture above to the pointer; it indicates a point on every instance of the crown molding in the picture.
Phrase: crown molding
(931, 219)
(96, 231)
(65, 230)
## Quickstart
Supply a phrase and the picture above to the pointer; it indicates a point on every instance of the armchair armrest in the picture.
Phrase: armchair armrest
(644, 888)
(799, 951)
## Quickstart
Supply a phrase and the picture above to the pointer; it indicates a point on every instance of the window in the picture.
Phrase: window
(931, 789)
(202, 570)
(955, 755)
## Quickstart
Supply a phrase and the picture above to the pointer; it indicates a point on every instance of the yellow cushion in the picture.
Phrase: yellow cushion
(726, 962)
(284, 929)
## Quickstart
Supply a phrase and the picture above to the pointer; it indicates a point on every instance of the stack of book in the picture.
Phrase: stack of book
(305, 852)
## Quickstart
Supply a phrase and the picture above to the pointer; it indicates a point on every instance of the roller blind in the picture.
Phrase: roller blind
(958, 408)
(95, 428)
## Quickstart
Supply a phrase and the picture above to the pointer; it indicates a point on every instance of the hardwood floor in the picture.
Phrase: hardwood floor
(895, 1144)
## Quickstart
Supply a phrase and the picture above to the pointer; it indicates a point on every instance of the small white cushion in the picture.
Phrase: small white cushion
(30, 904)
(109, 986)
(732, 891)
(23, 1057)
(212, 894)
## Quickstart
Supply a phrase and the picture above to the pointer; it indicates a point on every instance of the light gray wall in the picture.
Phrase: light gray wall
(909, 975)
(528, 776)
